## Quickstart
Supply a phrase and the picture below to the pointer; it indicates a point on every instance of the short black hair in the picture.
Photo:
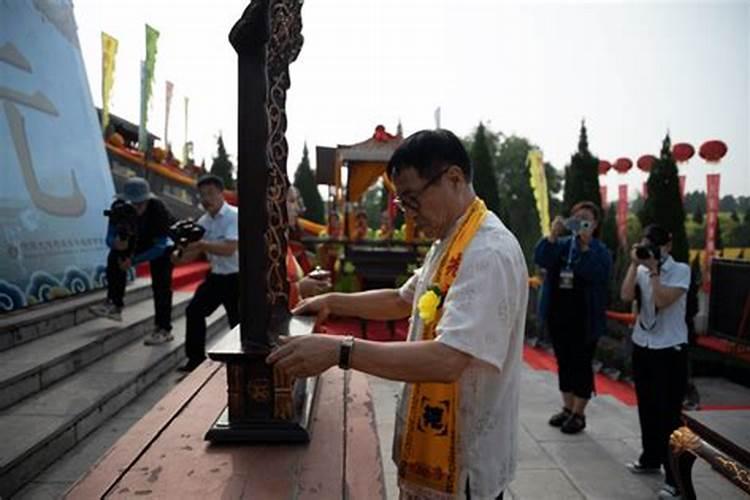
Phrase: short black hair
(429, 151)
(211, 180)
(657, 235)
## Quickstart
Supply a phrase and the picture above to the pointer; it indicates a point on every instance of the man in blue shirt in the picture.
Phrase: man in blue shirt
(150, 243)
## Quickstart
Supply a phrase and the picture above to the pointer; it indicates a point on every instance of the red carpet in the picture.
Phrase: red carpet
(185, 277)
(541, 360)
(724, 346)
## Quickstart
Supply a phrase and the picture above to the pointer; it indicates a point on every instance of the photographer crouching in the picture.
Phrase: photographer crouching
(138, 232)
(222, 285)
(658, 284)
(574, 300)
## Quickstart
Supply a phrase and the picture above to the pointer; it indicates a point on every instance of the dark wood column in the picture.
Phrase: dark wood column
(262, 404)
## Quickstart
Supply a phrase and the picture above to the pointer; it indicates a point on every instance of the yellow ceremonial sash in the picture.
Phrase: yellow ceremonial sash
(428, 447)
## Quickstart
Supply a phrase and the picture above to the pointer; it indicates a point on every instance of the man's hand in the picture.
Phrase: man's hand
(119, 244)
(195, 247)
(309, 287)
(305, 356)
(557, 228)
(125, 263)
(314, 305)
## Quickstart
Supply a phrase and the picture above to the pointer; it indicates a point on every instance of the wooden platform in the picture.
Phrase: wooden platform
(165, 455)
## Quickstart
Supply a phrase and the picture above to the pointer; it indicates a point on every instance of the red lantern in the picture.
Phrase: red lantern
(645, 162)
(682, 152)
(713, 151)
(622, 165)
(604, 167)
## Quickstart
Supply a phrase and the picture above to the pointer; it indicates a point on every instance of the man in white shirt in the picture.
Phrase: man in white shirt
(479, 335)
(659, 284)
(221, 286)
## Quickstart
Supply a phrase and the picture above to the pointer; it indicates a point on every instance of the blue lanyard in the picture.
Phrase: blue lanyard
(570, 252)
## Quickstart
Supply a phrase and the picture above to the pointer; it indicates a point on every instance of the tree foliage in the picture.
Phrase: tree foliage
(664, 204)
(222, 166)
(582, 175)
(304, 180)
(485, 182)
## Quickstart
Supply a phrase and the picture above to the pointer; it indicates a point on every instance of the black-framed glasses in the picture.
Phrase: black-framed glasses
(410, 201)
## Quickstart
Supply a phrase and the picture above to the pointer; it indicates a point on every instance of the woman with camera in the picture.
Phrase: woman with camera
(658, 284)
(573, 305)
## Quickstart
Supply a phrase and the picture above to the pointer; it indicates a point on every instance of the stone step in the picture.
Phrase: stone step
(29, 368)
(40, 429)
(23, 326)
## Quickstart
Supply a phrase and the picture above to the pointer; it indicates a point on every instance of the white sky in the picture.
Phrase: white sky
(633, 70)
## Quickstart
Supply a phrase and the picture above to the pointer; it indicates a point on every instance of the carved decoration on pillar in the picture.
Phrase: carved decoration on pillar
(283, 48)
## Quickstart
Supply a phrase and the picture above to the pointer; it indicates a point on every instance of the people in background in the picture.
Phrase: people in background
(147, 241)
(659, 285)
(574, 300)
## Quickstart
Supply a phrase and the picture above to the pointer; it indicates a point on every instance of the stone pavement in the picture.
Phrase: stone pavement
(553, 465)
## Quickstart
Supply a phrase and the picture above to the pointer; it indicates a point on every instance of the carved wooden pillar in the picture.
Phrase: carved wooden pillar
(263, 406)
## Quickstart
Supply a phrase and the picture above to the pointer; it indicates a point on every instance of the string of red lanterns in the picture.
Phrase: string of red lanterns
(711, 151)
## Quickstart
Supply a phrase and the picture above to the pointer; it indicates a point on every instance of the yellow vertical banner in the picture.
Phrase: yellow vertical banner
(538, 180)
(147, 79)
(109, 51)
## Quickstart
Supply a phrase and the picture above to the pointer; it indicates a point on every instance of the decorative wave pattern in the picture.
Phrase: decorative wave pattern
(11, 297)
(43, 287)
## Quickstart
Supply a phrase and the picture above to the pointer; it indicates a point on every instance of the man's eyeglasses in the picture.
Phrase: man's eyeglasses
(410, 201)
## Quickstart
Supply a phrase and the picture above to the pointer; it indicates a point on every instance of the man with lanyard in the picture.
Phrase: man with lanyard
(659, 284)
(221, 286)
(456, 432)
(152, 245)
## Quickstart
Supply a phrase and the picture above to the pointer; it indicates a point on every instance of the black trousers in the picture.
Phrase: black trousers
(216, 290)
(574, 354)
(161, 285)
(660, 380)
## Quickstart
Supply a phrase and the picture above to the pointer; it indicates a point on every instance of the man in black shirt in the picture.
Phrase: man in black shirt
(150, 242)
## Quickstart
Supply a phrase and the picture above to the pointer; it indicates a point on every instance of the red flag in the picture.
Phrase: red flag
(644, 191)
(682, 187)
(622, 214)
(712, 218)
(603, 196)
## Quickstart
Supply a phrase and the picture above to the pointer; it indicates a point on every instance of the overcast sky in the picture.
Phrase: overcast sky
(633, 70)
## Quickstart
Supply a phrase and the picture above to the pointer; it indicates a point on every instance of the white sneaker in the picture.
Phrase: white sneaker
(669, 492)
(158, 336)
(107, 310)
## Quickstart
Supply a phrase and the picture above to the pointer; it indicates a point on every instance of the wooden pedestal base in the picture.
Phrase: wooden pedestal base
(263, 405)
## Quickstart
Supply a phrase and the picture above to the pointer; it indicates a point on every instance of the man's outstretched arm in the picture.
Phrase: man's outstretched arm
(385, 304)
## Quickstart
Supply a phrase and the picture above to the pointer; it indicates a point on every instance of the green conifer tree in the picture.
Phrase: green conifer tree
(664, 205)
(582, 175)
(485, 182)
(304, 180)
(222, 166)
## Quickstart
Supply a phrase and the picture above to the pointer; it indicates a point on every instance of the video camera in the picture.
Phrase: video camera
(184, 232)
(576, 225)
(647, 250)
(123, 216)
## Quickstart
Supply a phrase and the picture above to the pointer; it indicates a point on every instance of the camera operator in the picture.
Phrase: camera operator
(573, 304)
(141, 239)
(659, 284)
(222, 285)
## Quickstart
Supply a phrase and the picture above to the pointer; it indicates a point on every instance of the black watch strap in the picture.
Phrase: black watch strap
(345, 352)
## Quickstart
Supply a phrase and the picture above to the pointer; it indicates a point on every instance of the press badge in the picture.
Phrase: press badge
(566, 279)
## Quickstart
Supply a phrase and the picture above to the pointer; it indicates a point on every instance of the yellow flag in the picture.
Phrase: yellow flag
(538, 181)
(109, 50)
